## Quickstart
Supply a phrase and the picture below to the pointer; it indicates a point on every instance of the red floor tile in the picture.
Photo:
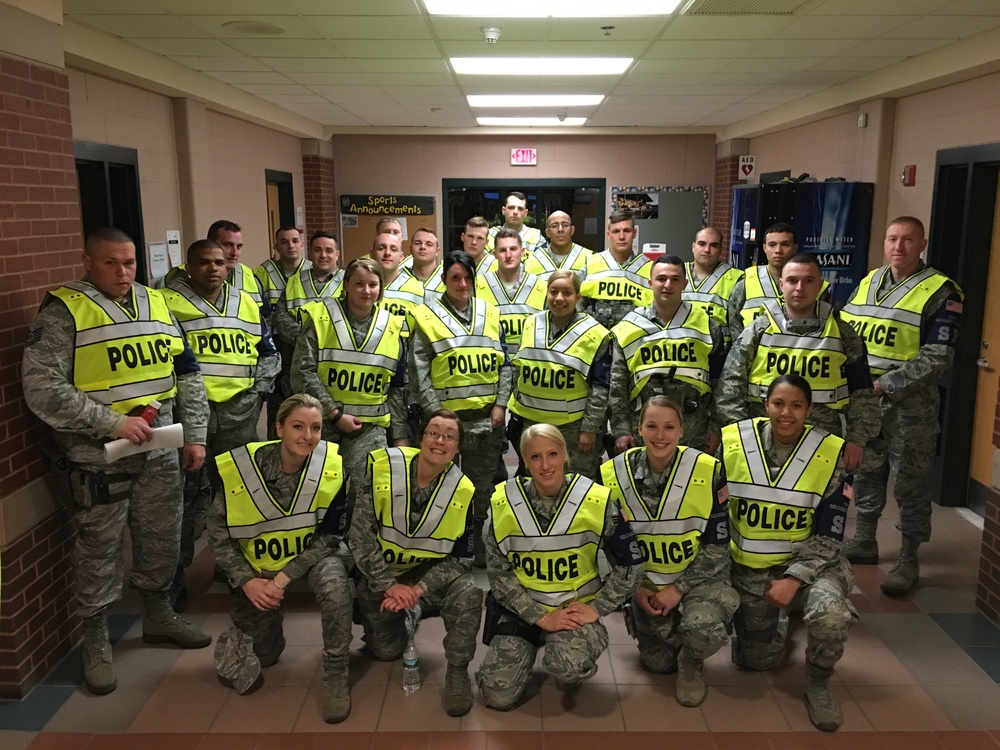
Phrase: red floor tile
(797, 741)
(854, 741)
(59, 741)
(586, 740)
(179, 741)
(741, 741)
(114, 742)
(966, 740)
(223, 741)
(675, 740)
(458, 741)
(344, 741)
(515, 741)
(297, 741)
(909, 740)
(400, 740)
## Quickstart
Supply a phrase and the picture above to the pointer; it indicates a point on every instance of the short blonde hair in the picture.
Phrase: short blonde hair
(547, 431)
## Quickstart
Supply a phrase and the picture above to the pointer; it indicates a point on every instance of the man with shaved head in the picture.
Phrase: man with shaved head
(559, 251)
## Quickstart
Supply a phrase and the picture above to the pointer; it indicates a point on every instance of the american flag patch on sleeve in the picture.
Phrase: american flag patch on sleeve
(723, 493)
(953, 305)
(848, 491)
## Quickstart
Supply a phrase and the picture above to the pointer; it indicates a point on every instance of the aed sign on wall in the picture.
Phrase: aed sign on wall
(523, 157)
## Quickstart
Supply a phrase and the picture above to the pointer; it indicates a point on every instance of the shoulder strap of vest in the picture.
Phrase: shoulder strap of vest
(798, 462)
(259, 494)
(569, 337)
(311, 477)
(753, 451)
(569, 505)
(904, 287)
(518, 503)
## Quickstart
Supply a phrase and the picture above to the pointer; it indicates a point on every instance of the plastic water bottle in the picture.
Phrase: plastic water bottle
(411, 668)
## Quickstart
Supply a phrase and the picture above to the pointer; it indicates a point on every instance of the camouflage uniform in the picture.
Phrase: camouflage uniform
(862, 413)
(231, 424)
(151, 487)
(904, 450)
(482, 445)
(699, 623)
(324, 564)
(588, 464)
(447, 582)
(699, 410)
(571, 655)
(354, 446)
(826, 577)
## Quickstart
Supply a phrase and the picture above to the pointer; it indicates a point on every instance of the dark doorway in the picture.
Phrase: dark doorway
(109, 193)
(584, 200)
(965, 195)
(280, 200)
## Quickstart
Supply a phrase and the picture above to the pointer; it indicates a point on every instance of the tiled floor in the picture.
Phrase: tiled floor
(919, 672)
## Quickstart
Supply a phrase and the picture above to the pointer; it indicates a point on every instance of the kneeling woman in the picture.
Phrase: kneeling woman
(542, 562)
(787, 508)
(412, 542)
(280, 517)
(677, 501)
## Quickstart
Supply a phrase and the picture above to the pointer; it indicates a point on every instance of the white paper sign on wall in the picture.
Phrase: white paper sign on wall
(748, 167)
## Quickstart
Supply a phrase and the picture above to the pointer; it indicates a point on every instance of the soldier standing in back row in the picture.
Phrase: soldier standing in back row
(909, 316)
(97, 353)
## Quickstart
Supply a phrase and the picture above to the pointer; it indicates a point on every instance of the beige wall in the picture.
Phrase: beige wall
(240, 152)
(826, 148)
(117, 114)
(964, 114)
(416, 165)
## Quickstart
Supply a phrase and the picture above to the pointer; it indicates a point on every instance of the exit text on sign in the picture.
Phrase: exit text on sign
(523, 157)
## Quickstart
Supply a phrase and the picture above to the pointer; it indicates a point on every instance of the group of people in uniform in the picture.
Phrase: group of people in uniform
(734, 407)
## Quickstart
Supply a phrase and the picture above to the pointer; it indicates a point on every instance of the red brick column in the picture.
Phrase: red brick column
(40, 246)
(726, 175)
(988, 592)
(321, 195)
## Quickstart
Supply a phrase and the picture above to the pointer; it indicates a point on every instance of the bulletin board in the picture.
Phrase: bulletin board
(668, 216)
(359, 214)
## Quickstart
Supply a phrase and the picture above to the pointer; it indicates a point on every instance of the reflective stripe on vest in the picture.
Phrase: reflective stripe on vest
(818, 357)
(272, 279)
(356, 373)
(552, 384)
(528, 299)
(759, 287)
(443, 521)
(677, 351)
(771, 518)
(713, 291)
(559, 564)
(607, 280)
(669, 534)
(891, 322)
(543, 262)
(224, 339)
(302, 289)
(269, 535)
(465, 370)
(401, 295)
(122, 360)
(241, 277)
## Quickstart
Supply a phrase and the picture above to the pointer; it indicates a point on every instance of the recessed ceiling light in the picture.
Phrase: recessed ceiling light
(540, 66)
(546, 8)
(541, 122)
(513, 101)
(253, 28)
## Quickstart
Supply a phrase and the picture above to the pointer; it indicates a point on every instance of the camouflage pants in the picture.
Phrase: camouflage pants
(699, 623)
(329, 581)
(827, 612)
(152, 512)
(570, 656)
(460, 602)
(354, 448)
(479, 457)
(904, 454)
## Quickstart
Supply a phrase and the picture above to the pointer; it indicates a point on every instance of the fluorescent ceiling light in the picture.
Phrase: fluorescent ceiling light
(540, 66)
(515, 101)
(542, 122)
(546, 8)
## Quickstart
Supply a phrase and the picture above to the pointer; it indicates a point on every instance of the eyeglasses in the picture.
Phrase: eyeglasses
(434, 435)
(560, 225)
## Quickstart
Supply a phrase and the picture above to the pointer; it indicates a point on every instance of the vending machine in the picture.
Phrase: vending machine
(831, 219)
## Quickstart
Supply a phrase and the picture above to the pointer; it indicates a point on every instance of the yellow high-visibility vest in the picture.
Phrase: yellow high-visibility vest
(528, 299)
(608, 280)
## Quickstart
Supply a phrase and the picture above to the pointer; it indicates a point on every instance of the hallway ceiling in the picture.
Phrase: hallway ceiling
(357, 64)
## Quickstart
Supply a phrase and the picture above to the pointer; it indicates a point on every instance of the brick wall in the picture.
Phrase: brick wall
(726, 175)
(321, 195)
(40, 245)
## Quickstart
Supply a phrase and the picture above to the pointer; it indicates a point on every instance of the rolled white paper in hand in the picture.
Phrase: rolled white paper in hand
(171, 436)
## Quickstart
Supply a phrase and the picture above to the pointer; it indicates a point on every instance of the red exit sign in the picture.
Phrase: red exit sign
(523, 157)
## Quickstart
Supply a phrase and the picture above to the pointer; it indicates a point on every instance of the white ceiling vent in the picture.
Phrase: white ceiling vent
(744, 7)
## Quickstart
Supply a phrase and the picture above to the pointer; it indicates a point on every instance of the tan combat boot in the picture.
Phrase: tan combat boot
(98, 672)
(862, 549)
(458, 691)
(162, 625)
(690, 681)
(337, 703)
(906, 572)
(824, 712)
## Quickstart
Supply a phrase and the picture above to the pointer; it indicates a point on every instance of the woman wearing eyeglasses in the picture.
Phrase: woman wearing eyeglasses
(412, 542)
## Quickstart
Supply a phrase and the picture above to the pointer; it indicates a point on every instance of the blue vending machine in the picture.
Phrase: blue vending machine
(832, 220)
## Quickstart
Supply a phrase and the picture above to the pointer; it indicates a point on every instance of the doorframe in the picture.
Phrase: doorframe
(960, 238)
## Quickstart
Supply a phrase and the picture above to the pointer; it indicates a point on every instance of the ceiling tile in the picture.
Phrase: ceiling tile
(404, 65)
(970, 7)
(803, 48)
(238, 8)
(945, 27)
(683, 65)
(287, 99)
(398, 48)
(411, 79)
(771, 64)
(639, 79)
(374, 110)
(285, 47)
(312, 65)
(353, 94)
(589, 29)
(699, 49)
(869, 8)
(386, 29)
(262, 89)
(544, 49)
(713, 28)
(842, 27)
(74, 8)
(186, 47)
(353, 7)
(206, 64)
(293, 27)
(468, 29)
(242, 77)
(129, 26)
(412, 94)
(857, 64)
(328, 78)
(896, 47)
(821, 77)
